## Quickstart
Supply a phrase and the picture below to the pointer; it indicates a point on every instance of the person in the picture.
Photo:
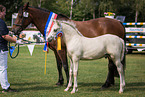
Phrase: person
(4, 39)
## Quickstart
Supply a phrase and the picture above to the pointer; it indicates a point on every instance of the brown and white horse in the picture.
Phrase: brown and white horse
(91, 28)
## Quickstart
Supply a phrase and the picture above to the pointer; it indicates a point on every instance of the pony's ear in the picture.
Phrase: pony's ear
(26, 6)
(56, 21)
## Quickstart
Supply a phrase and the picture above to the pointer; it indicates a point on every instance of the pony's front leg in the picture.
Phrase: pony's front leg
(70, 76)
(75, 72)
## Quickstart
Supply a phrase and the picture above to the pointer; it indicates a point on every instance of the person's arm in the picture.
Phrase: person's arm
(9, 38)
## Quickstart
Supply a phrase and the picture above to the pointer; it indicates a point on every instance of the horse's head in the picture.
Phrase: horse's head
(56, 31)
(23, 19)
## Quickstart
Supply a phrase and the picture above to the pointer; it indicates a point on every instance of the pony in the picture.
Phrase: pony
(90, 28)
(82, 48)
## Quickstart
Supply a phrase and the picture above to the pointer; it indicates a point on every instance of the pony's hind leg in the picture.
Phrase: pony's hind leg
(121, 73)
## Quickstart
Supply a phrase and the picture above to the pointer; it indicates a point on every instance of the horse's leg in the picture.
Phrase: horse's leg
(112, 70)
(63, 57)
(70, 76)
(59, 68)
(121, 73)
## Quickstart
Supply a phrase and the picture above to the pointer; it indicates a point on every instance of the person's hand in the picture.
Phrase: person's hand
(19, 41)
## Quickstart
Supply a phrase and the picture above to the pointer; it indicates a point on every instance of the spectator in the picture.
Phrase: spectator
(4, 38)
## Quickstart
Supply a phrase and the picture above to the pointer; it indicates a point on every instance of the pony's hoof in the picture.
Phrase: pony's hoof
(72, 92)
(66, 89)
(120, 92)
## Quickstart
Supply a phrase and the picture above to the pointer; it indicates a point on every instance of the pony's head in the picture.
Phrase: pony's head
(56, 31)
(23, 19)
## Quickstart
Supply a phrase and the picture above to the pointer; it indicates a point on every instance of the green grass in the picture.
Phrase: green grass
(26, 73)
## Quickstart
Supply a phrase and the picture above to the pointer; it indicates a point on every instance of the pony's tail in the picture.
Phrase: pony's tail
(123, 49)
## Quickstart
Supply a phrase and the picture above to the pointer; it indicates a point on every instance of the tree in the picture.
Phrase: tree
(12, 6)
(136, 6)
(105, 6)
(62, 6)
(36, 3)
(84, 9)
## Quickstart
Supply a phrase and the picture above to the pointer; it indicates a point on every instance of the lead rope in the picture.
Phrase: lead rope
(10, 48)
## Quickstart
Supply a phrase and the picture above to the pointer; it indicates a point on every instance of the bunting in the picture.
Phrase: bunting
(31, 48)
(12, 48)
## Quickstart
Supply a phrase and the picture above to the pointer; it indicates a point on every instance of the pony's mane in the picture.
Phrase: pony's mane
(71, 24)
(68, 22)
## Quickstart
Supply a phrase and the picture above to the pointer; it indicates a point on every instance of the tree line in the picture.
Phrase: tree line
(133, 10)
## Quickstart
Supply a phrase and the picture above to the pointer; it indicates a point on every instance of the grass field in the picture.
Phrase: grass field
(26, 74)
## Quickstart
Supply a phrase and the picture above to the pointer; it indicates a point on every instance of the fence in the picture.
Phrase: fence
(135, 36)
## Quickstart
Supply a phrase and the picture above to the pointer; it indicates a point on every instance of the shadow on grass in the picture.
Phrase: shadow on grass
(26, 86)
(97, 86)
(139, 86)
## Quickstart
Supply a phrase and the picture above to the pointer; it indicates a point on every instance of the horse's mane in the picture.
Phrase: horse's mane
(21, 8)
(43, 9)
(62, 17)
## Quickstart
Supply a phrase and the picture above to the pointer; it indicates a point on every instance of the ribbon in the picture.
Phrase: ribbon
(48, 27)
(59, 35)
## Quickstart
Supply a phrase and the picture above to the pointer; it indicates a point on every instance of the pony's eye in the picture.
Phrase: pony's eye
(55, 30)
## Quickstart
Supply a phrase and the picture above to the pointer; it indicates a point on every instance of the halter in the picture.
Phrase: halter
(59, 33)
(25, 14)
(20, 26)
